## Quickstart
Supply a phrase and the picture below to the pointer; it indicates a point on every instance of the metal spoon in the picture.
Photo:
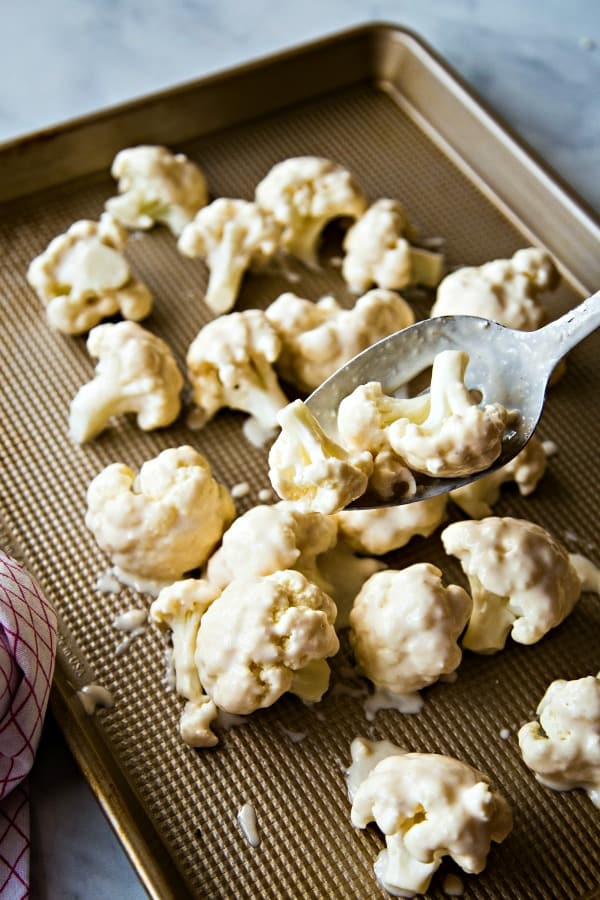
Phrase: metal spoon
(507, 366)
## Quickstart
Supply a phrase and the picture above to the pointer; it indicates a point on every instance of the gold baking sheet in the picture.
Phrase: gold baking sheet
(382, 103)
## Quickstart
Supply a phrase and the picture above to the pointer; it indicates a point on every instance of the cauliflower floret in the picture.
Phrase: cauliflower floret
(180, 607)
(263, 637)
(443, 433)
(156, 185)
(456, 436)
(382, 530)
(162, 523)
(378, 251)
(232, 236)
(405, 626)
(521, 580)
(504, 290)
(525, 469)
(563, 749)
(318, 338)
(429, 806)
(305, 193)
(230, 364)
(82, 277)
(290, 538)
(309, 468)
(136, 373)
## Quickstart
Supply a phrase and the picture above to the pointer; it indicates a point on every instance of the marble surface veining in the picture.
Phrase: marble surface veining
(537, 64)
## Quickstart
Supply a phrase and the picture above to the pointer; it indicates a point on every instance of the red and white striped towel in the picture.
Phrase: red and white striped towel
(27, 652)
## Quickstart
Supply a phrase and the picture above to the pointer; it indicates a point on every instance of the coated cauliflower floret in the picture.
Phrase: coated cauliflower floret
(263, 637)
(563, 748)
(309, 468)
(180, 607)
(429, 806)
(156, 185)
(378, 251)
(230, 364)
(521, 580)
(303, 194)
(388, 528)
(136, 373)
(231, 236)
(318, 338)
(82, 277)
(504, 290)
(443, 433)
(163, 522)
(525, 469)
(404, 628)
(290, 538)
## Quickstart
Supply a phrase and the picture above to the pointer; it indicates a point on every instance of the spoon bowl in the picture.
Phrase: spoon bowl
(506, 366)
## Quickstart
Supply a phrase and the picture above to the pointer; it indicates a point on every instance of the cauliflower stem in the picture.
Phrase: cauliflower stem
(227, 269)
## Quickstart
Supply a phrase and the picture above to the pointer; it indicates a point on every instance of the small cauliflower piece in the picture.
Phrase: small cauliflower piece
(263, 637)
(231, 236)
(521, 580)
(443, 433)
(504, 290)
(388, 528)
(525, 469)
(180, 608)
(318, 338)
(290, 538)
(303, 194)
(195, 725)
(391, 479)
(378, 251)
(404, 628)
(309, 468)
(82, 277)
(136, 373)
(563, 748)
(429, 806)
(156, 185)
(230, 365)
(163, 522)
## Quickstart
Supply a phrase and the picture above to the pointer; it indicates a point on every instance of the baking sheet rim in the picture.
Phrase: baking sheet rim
(120, 816)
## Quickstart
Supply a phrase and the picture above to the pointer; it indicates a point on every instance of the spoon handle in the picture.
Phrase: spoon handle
(560, 336)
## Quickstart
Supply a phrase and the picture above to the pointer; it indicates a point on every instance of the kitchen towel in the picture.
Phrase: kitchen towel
(27, 653)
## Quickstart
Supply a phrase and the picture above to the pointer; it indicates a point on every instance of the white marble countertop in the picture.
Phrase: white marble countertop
(537, 64)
